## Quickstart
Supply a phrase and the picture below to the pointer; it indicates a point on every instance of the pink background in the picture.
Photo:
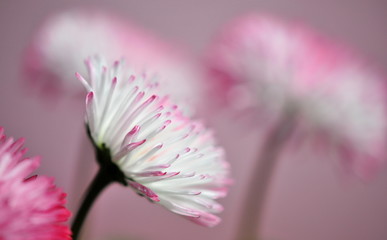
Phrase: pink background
(309, 199)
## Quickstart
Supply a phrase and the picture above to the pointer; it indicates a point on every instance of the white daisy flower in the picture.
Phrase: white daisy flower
(160, 153)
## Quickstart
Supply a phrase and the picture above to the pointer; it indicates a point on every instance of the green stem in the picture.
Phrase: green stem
(108, 173)
(101, 180)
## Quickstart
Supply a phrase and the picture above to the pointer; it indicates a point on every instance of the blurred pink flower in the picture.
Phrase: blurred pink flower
(58, 49)
(163, 155)
(263, 63)
(31, 206)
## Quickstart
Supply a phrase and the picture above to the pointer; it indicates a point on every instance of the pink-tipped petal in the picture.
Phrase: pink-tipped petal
(141, 189)
(206, 220)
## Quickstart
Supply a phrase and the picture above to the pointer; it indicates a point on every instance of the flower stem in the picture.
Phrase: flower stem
(100, 181)
(263, 171)
(108, 173)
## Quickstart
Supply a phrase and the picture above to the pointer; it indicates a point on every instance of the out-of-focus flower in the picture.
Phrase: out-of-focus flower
(264, 63)
(163, 155)
(59, 47)
(31, 207)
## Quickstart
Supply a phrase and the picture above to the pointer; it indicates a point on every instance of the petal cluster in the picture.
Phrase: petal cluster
(271, 65)
(165, 156)
(32, 207)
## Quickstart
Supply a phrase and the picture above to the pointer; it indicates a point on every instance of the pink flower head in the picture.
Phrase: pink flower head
(270, 65)
(32, 207)
(66, 39)
(163, 155)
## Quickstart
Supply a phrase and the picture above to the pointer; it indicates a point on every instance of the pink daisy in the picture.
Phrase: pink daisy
(32, 207)
(66, 39)
(271, 66)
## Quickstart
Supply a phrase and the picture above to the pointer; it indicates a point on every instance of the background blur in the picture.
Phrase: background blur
(309, 200)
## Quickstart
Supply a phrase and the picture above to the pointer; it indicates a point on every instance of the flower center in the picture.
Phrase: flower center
(110, 169)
